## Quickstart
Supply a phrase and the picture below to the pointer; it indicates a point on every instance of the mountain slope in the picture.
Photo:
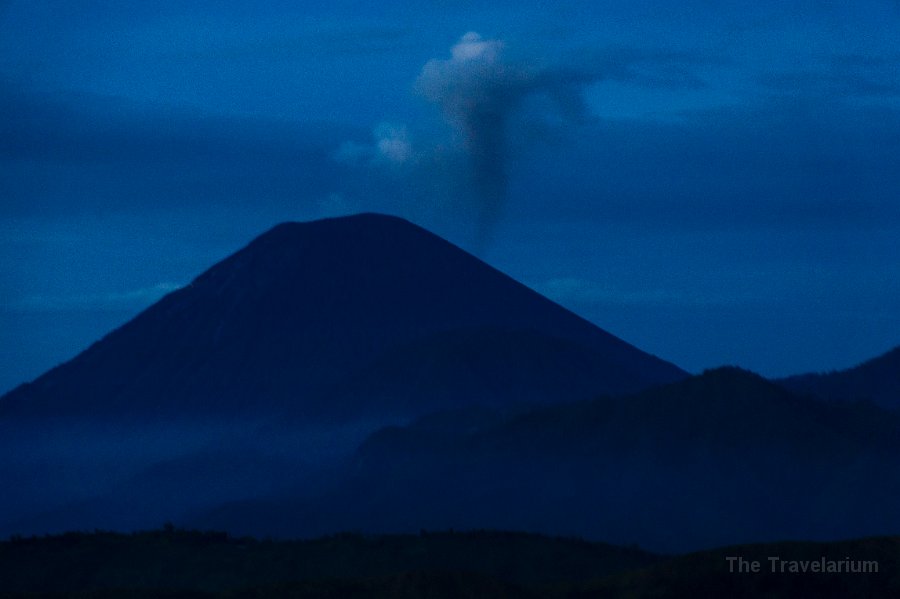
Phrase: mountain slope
(876, 380)
(279, 325)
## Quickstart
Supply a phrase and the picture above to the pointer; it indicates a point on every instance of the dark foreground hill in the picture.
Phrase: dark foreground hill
(175, 563)
(280, 327)
(858, 569)
(726, 457)
(213, 562)
(876, 380)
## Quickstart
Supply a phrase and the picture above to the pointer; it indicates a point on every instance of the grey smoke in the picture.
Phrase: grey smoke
(478, 90)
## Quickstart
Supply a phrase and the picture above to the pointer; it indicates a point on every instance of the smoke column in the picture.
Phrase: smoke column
(477, 91)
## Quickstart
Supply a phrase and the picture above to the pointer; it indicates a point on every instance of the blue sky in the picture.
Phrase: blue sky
(713, 182)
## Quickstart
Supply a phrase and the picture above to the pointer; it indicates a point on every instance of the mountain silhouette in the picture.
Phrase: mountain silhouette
(876, 380)
(274, 364)
(343, 317)
(255, 400)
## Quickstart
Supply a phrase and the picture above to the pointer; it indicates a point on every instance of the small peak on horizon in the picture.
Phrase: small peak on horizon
(729, 370)
(731, 376)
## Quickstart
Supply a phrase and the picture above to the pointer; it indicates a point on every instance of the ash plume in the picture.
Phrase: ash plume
(478, 90)
(492, 102)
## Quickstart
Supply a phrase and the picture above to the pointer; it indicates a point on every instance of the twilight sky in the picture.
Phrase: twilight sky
(715, 182)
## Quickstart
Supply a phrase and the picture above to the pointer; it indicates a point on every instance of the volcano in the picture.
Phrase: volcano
(338, 318)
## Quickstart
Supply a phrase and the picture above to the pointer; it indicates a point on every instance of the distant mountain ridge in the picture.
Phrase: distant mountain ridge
(876, 380)
(721, 458)
(283, 324)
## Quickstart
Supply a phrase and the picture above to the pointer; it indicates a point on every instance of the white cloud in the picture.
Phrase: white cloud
(471, 46)
(393, 144)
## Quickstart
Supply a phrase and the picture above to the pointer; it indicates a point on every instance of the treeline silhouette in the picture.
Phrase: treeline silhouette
(173, 562)
(213, 562)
